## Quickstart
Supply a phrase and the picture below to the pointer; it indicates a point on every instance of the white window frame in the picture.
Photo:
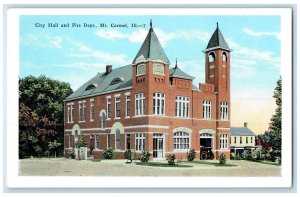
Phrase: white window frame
(157, 71)
(247, 141)
(118, 148)
(182, 106)
(207, 109)
(224, 110)
(181, 140)
(97, 142)
(117, 101)
(251, 139)
(127, 137)
(138, 69)
(69, 113)
(127, 106)
(241, 140)
(82, 111)
(140, 141)
(92, 110)
(108, 107)
(102, 119)
(159, 103)
(140, 104)
(224, 141)
(234, 140)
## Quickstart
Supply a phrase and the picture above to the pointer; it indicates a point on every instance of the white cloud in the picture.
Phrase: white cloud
(42, 40)
(260, 34)
(139, 35)
(248, 55)
(92, 55)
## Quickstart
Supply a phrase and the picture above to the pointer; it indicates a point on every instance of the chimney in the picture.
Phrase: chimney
(108, 69)
(245, 124)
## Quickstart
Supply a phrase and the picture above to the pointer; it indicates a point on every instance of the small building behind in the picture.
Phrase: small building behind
(241, 139)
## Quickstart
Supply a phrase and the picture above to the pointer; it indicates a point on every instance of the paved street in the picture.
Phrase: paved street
(68, 167)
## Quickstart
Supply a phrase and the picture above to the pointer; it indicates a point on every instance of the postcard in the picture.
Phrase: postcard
(144, 97)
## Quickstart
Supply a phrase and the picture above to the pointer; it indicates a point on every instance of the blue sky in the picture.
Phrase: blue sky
(75, 54)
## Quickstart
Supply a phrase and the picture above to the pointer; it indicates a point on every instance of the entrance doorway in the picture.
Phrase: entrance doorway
(158, 146)
(206, 140)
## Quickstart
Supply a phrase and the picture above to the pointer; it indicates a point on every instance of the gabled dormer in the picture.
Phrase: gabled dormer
(151, 63)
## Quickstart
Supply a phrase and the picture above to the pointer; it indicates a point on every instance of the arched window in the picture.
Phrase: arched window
(211, 57)
(181, 140)
(118, 140)
(103, 117)
(116, 80)
(224, 57)
(91, 86)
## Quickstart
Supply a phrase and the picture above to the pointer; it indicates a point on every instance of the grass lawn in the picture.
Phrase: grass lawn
(160, 164)
(212, 163)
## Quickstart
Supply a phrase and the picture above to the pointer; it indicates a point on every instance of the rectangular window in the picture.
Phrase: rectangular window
(108, 145)
(108, 107)
(235, 140)
(224, 110)
(117, 107)
(241, 140)
(182, 106)
(70, 141)
(246, 140)
(223, 141)
(97, 140)
(251, 140)
(92, 110)
(127, 141)
(207, 109)
(140, 141)
(69, 113)
(72, 112)
(158, 104)
(127, 106)
(82, 112)
(140, 105)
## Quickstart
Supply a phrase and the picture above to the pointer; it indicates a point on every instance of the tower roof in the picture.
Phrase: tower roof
(151, 49)
(217, 40)
(178, 73)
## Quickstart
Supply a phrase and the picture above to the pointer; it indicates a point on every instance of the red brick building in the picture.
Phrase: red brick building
(148, 106)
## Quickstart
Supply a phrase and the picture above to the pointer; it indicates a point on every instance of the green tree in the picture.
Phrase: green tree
(272, 137)
(41, 116)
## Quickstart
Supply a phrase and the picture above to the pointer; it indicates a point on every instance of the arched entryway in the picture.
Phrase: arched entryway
(206, 141)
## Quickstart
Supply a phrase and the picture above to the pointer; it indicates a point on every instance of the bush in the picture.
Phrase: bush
(238, 157)
(232, 156)
(253, 156)
(108, 153)
(222, 160)
(245, 154)
(145, 156)
(191, 155)
(71, 153)
(80, 143)
(171, 159)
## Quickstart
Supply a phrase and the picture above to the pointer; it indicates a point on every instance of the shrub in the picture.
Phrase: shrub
(191, 155)
(232, 156)
(71, 153)
(80, 143)
(238, 157)
(145, 156)
(171, 159)
(222, 160)
(253, 156)
(108, 153)
(245, 154)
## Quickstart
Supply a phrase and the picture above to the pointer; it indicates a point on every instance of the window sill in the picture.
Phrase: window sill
(108, 119)
(92, 120)
(181, 150)
(81, 121)
(117, 118)
(127, 117)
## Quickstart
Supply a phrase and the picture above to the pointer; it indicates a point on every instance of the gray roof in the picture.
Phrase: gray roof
(177, 72)
(217, 40)
(151, 49)
(241, 131)
(103, 81)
